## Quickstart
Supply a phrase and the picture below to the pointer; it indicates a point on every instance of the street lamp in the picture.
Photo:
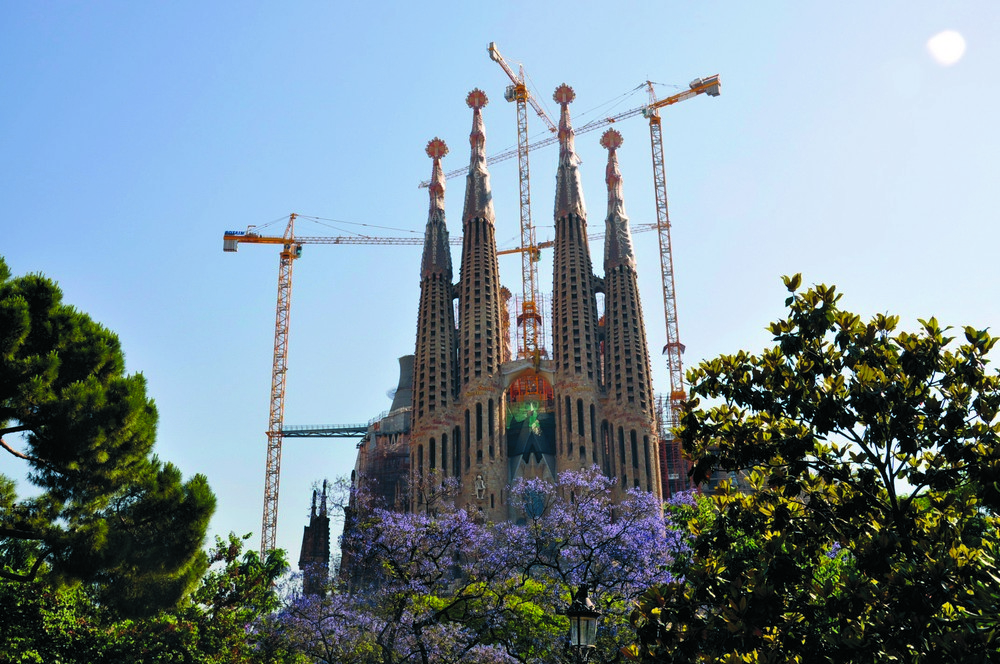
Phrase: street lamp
(582, 622)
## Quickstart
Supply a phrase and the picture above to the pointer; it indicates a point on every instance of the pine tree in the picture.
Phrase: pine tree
(109, 512)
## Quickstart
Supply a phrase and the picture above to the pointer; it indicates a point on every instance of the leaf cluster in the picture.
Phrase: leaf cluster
(869, 531)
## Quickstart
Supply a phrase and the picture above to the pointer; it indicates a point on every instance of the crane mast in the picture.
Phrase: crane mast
(529, 318)
(673, 467)
(272, 472)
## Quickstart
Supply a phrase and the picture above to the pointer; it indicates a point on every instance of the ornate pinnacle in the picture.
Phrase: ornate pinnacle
(436, 149)
(478, 198)
(437, 252)
(611, 141)
(564, 95)
(569, 193)
(618, 238)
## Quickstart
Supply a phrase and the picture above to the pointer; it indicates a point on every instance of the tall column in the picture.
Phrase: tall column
(628, 403)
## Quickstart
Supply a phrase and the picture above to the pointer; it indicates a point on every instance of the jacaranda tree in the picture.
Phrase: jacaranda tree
(108, 512)
(870, 532)
(446, 586)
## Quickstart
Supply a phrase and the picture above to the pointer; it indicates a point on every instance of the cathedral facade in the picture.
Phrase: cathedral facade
(481, 415)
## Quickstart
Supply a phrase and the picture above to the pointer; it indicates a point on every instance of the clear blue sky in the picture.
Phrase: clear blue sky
(133, 134)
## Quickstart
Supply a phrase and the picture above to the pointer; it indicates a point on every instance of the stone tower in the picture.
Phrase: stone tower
(314, 556)
(435, 362)
(630, 417)
(575, 346)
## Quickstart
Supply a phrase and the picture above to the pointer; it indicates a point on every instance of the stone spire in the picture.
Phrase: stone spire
(575, 351)
(480, 421)
(478, 197)
(628, 404)
(569, 193)
(434, 367)
(437, 252)
(479, 287)
(618, 237)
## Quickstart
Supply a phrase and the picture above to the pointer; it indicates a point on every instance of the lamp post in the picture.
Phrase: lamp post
(583, 617)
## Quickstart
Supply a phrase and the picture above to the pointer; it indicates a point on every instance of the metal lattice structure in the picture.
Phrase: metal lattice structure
(673, 467)
(279, 371)
(529, 318)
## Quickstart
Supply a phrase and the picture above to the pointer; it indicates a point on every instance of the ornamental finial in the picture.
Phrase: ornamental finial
(478, 197)
(612, 139)
(564, 95)
(569, 193)
(436, 148)
(617, 236)
(477, 99)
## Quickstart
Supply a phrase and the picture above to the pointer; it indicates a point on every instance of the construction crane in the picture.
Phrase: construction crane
(529, 318)
(673, 467)
(710, 85)
(291, 249)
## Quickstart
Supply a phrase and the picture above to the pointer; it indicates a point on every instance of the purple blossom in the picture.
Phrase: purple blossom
(443, 587)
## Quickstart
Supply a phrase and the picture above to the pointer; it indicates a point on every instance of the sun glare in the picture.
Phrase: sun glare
(946, 47)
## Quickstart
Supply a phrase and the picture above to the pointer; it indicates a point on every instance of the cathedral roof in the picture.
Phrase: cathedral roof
(618, 238)
(478, 196)
(437, 252)
(569, 192)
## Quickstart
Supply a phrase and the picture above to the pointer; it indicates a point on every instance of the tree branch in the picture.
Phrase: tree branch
(19, 455)
(16, 533)
(20, 427)
(30, 576)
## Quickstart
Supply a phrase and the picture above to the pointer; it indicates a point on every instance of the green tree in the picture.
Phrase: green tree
(217, 624)
(108, 513)
(869, 532)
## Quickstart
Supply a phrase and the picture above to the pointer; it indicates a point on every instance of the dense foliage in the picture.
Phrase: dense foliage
(448, 587)
(870, 532)
(108, 512)
(214, 625)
